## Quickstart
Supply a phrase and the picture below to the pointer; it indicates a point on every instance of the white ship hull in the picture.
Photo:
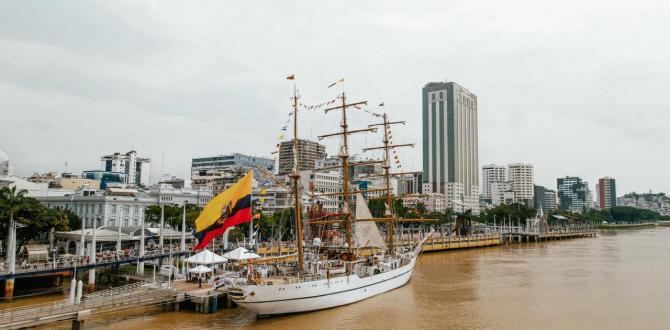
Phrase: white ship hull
(320, 294)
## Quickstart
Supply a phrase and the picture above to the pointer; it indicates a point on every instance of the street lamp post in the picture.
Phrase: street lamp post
(183, 229)
(91, 272)
(140, 262)
(160, 238)
(118, 233)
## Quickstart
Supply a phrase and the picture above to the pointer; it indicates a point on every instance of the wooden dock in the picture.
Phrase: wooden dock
(524, 234)
(454, 242)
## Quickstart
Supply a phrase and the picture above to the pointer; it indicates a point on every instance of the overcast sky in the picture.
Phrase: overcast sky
(573, 87)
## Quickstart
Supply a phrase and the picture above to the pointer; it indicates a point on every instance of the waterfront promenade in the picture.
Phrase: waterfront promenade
(557, 284)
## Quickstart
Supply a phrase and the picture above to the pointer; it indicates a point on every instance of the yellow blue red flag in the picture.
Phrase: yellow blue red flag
(229, 208)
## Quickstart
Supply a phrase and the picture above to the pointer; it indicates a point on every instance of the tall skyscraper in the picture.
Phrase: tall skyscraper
(606, 193)
(523, 181)
(491, 174)
(309, 153)
(450, 141)
(573, 194)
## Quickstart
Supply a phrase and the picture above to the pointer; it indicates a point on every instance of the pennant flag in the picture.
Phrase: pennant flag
(229, 208)
(291, 77)
(263, 192)
(335, 83)
(257, 216)
(381, 104)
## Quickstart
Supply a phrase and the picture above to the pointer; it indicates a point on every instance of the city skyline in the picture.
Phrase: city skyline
(174, 86)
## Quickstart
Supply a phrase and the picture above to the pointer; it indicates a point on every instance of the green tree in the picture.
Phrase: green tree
(505, 212)
(173, 215)
(11, 202)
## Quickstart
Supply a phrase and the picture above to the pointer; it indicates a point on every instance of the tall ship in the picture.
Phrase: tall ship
(331, 270)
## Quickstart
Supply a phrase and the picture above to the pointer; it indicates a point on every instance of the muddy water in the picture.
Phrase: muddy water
(618, 280)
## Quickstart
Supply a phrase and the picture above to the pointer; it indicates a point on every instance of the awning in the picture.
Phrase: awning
(200, 270)
(206, 257)
(241, 254)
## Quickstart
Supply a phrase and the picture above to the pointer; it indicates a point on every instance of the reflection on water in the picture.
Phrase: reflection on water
(617, 280)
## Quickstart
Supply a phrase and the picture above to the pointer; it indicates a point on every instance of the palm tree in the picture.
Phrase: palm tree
(11, 201)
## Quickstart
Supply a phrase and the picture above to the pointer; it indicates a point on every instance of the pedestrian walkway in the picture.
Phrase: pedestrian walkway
(116, 299)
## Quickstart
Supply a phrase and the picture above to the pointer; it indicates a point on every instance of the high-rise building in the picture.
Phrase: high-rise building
(309, 153)
(606, 193)
(550, 200)
(450, 141)
(523, 182)
(544, 198)
(573, 194)
(491, 174)
(138, 169)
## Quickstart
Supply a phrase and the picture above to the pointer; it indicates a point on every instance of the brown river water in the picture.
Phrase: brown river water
(619, 280)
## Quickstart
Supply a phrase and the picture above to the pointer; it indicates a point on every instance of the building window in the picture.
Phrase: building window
(114, 208)
(112, 222)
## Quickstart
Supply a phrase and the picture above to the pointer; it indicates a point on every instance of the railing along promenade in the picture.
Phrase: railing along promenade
(116, 299)
(103, 259)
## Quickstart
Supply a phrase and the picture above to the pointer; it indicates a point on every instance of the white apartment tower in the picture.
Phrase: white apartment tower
(491, 174)
(523, 181)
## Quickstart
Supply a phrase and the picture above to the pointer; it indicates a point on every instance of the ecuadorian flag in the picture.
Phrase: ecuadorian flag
(229, 208)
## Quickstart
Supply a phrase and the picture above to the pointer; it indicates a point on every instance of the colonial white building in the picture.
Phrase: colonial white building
(103, 209)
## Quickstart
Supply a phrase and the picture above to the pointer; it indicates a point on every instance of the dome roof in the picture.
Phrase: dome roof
(3, 156)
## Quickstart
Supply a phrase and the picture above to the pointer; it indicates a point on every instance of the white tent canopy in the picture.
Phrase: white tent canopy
(200, 270)
(206, 257)
(241, 254)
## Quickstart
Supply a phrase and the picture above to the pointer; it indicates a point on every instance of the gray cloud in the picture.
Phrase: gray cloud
(574, 87)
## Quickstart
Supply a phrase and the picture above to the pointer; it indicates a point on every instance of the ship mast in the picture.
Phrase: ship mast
(296, 180)
(344, 155)
(387, 172)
